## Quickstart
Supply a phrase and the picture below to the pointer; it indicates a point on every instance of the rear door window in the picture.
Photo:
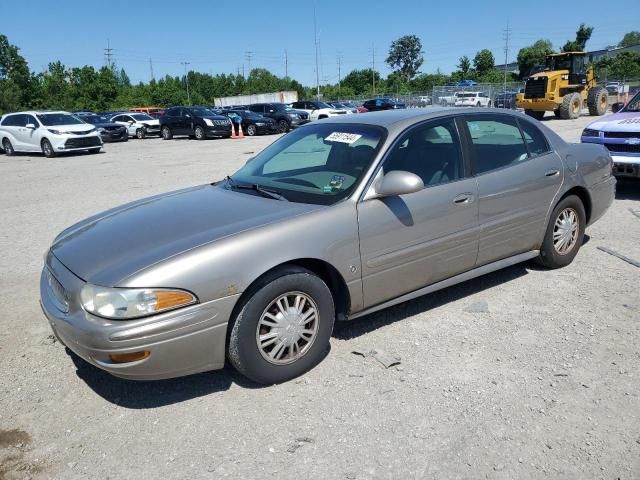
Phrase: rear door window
(535, 139)
(496, 142)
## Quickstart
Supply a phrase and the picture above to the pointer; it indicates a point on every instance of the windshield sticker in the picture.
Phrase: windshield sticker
(334, 185)
(343, 137)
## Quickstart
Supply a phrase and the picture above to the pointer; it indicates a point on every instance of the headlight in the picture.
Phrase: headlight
(99, 130)
(54, 131)
(260, 124)
(126, 303)
(208, 122)
(590, 132)
(294, 115)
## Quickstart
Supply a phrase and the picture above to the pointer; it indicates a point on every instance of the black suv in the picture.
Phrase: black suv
(252, 123)
(379, 104)
(286, 117)
(198, 122)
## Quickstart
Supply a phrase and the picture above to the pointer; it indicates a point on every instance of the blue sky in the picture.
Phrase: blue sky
(215, 36)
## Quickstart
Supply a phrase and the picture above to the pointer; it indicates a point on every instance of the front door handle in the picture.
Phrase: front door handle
(463, 199)
(552, 173)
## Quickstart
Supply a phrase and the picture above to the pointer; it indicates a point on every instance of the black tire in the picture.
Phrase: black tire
(571, 106)
(199, 133)
(550, 257)
(535, 114)
(478, 105)
(251, 130)
(556, 112)
(597, 101)
(165, 133)
(141, 133)
(94, 150)
(243, 351)
(47, 149)
(283, 126)
(9, 151)
(125, 138)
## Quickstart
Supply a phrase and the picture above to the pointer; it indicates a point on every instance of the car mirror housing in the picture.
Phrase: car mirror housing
(616, 107)
(30, 126)
(399, 182)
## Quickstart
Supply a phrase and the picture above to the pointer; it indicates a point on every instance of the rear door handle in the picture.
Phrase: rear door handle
(463, 199)
(552, 173)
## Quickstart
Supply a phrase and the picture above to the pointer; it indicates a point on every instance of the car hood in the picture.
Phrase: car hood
(215, 117)
(83, 128)
(109, 247)
(149, 122)
(106, 125)
(618, 122)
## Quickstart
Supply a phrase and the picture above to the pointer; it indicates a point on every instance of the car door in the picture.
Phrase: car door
(21, 133)
(517, 183)
(410, 241)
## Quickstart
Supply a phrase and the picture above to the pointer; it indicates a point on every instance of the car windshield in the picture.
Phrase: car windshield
(319, 163)
(94, 119)
(51, 119)
(201, 112)
(141, 116)
(633, 105)
(322, 105)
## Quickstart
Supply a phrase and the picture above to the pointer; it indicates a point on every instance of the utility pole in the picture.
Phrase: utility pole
(186, 78)
(373, 68)
(315, 39)
(151, 68)
(108, 54)
(286, 64)
(339, 76)
(248, 54)
(507, 34)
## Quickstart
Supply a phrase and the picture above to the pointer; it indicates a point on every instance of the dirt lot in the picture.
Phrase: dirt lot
(524, 373)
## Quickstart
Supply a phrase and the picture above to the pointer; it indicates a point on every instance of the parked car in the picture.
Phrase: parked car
(620, 134)
(335, 220)
(424, 100)
(466, 83)
(49, 132)
(505, 100)
(472, 99)
(197, 122)
(378, 104)
(139, 125)
(448, 100)
(343, 106)
(318, 110)
(154, 112)
(252, 123)
(108, 130)
(286, 117)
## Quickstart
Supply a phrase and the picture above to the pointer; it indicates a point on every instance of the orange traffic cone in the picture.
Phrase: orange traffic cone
(240, 133)
(233, 130)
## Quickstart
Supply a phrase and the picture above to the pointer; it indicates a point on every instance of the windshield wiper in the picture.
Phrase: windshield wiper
(256, 188)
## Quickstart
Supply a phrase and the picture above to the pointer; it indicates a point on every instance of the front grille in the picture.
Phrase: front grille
(221, 123)
(84, 142)
(83, 132)
(622, 134)
(623, 147)
(535, 87)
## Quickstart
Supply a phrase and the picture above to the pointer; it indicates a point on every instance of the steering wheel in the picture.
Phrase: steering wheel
(298, 181)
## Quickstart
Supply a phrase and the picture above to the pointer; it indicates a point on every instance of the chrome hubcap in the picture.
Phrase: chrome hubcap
(287, 328)
(565, 231)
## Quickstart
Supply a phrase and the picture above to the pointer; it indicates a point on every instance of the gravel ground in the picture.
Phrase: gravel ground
(524, 373)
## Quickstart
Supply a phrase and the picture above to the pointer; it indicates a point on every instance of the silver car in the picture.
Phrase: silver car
(333, 221)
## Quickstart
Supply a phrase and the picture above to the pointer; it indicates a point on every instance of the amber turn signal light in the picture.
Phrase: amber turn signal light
(171, 299)
(129, 357)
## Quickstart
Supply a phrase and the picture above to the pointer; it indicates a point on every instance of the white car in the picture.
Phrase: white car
(47, 132)
(139, 125)
(318, 110)
(472, 99)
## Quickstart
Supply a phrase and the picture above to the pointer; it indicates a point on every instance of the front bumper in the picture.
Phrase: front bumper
(72, 143)
(180, 342)
(626, 157)
(266, 128)
(537, 104)
(217, 131)
(114, 135)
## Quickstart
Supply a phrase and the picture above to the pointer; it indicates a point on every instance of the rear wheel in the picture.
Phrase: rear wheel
(199, 133)
(8, 148)
(564, 234)
(571, 106)
(535, 114)
(166, 133)
(283, 328)
(47, 149)
(283, 126)
(597, 101)
(141, 133)
(251, 130)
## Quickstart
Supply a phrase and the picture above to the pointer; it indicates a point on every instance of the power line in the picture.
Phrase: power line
(373, 68)
(315, 40)
(286, 64)
(339, 77)
(248, 54)
(108, 54)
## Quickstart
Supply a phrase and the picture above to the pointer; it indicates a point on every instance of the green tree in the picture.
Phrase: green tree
(15, 77)
(405, 56)
(583, 34)
(483, 61)
(360, 81)
(529, 57)
(630, 39)
(464, 65)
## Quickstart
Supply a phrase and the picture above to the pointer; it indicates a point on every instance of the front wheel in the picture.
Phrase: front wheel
(251, 130)
(166, 133)
(283, 328)
(564, 234)
(283, 126)
(141, 133)
(47, 149)
(199, 133)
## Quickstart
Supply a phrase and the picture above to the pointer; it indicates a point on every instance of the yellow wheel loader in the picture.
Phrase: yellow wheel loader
(564, 85)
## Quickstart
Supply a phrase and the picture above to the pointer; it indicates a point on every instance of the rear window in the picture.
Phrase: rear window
(466, 95)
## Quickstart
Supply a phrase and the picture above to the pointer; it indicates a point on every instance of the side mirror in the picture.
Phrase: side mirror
(30, 126)
(131, 122)
(399, 182)
(250, 159)
(616, 107)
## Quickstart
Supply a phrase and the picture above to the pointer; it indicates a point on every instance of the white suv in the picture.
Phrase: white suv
(47, 132)
(318, 110)
(139, 125)
(472, 99)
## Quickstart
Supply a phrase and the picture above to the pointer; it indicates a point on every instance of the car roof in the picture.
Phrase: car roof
(37, 112)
